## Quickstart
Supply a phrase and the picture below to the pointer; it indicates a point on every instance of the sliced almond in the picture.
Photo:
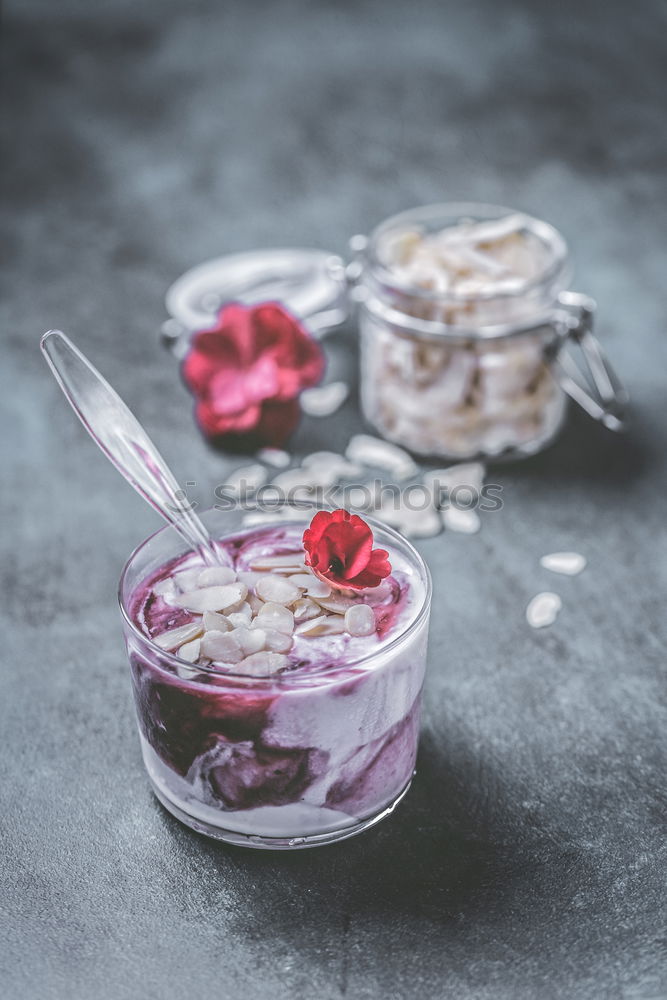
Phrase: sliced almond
(251, 640)
(277, 589)
(214, 576)
(255, 604)
(275, 457)
(262, 664)
(324, 625)
(214, 622)
(190, 651)
(287, 560)
(324, 400)
(360, 620)
(305, 609)
(242, 616)
(276, 642)
(221, 646)
(336, 604)
(312, 584)
(165, 587)
(187, 578)
(465, 521)
(212, 598)
(175, 637)
(566, 563)
(275, 616)
(543, 609)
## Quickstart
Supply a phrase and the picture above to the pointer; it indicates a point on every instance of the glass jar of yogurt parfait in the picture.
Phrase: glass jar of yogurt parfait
(274, 711)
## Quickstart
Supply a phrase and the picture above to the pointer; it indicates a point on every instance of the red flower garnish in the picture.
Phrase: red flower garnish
(339, 549)
(246, 374)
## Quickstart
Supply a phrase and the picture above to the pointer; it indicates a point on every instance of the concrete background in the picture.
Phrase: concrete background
(529, 858)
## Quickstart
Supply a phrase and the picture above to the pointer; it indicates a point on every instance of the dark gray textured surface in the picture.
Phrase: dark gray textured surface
(528, 860)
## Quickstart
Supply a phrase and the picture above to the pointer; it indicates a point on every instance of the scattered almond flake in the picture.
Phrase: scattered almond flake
(237, 608)
(324, 400)
(360, 620)
(275, 641)
(247, 479)
(464, 474)
(543, 609)
(467, 522)
(214, 622)
(190, 651)
(420, 523)
(324, 625)
(241, 617)
(171, 597)
(334, 461)
(165, 588)
(337, 604)
(275, 457)
(175, 637)
(251, 640)
(212, 598)
(373, 451)
(189, 673)
(291, 560)
(408, 513)
(313, 586)
(262, 664)
(277, 616)
(187, 578)
(277, 589)
(305, 609)
(359, 498)
(221, 646)
(255, 604)
(566, 563)
(216, 576)
(306, 480)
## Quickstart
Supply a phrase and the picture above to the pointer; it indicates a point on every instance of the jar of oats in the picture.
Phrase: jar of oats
(464, 318)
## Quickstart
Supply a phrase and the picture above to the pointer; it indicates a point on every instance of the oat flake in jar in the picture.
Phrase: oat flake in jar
(464, 319)
(466, 324)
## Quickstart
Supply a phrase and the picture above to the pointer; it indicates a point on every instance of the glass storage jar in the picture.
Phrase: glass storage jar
(465, 319)
(464, 314)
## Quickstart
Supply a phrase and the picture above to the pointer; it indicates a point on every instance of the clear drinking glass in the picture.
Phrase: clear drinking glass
(297, 759)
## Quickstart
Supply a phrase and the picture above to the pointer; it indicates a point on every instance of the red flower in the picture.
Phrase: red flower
(339, 549)
(246, 374)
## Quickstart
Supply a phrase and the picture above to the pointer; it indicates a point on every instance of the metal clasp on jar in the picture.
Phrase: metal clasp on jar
(593, 385)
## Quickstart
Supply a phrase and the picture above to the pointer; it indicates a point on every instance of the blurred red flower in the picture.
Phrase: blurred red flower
(246, 374)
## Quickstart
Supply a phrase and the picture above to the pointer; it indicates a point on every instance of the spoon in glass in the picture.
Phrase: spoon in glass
(124, 441)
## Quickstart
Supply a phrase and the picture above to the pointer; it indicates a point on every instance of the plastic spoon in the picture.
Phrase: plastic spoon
(124, 441)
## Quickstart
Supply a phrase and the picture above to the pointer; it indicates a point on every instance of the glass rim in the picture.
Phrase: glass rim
(388, 279)
(296, 677)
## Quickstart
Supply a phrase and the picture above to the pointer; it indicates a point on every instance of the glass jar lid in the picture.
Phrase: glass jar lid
(311, 284)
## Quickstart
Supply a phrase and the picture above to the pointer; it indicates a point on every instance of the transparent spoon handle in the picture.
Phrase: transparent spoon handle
(123, 440)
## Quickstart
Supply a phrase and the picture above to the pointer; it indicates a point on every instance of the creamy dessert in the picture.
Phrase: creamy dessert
(436, 377)
(276, 707)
